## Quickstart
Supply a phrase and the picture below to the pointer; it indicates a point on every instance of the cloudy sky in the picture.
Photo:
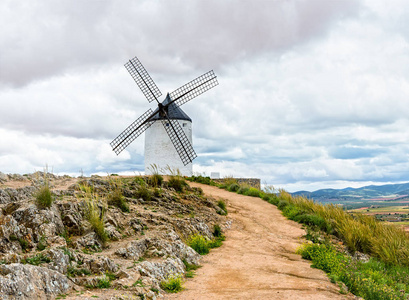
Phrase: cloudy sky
(312, 94)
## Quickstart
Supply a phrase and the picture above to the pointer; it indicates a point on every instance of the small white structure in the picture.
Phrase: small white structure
(214, 175)
(159, 149)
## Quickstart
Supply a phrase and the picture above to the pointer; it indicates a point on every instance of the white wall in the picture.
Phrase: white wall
(159, 149)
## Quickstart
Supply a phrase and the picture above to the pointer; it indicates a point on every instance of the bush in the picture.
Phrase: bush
(36, 260)
(177, 182)
(95, 216)
(217, 230)
(199, 243)
(144, 193)
(173, 284)
(282, 204)
(253, 192)
(222, 205)
(117, 199)
(234, 187)
(155, 180)
(44, 196)
(243, 190)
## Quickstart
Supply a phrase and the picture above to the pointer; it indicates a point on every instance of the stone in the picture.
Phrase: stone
(59, 260)
(134, 249)
(20, 282)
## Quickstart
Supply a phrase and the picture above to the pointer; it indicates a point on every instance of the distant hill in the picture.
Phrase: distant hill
(366, 192)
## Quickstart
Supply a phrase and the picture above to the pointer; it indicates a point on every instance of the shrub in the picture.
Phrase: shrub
(95, 215)
(199, 243)
(173, 284)
(222, 205)
(144, 193)
(103, 283)
(217, 230)
(243, 190)
(177, 182)
(282, 204)
(44, 197)
(117, 199)
(253, 192)
(36, 260)
(234, 187)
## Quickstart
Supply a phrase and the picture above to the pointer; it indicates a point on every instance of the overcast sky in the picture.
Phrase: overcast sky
(312, 94)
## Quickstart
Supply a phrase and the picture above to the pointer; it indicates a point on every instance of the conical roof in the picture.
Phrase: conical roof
(173, 110)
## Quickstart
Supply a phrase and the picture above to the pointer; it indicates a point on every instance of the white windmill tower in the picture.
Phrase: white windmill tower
(168, 139)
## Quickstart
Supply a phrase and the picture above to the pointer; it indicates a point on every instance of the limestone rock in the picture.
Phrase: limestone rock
(20, 282)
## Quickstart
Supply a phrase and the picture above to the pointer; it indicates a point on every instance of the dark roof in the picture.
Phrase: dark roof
(174, 112)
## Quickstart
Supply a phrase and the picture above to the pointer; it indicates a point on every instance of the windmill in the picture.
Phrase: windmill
(168, 140)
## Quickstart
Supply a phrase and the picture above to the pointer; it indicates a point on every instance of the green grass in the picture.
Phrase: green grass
(95, 215)
(44, 197)
(36, 260)
(202, 245)
(221, 204)
(371, 280)
(116, 198)
(172, 284)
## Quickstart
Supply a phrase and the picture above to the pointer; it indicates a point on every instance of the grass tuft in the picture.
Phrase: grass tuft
(172, 284)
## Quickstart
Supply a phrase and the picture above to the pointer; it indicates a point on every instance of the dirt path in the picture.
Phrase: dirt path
(257, 260)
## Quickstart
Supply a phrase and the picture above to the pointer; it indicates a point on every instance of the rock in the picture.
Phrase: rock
(89, 240)
(59, 260)
(4, 197)
(3, 177)
(101, 265)
(159, 271)
(134, 249)
(20, 282)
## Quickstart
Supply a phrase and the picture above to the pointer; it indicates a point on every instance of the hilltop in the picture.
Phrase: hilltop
(106, 237)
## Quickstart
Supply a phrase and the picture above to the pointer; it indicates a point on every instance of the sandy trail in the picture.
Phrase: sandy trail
(257, 260)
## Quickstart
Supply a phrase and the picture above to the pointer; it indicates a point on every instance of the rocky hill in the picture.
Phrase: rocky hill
(105, 238)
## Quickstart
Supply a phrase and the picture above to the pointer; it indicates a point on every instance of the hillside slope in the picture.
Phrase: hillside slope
(257, 260)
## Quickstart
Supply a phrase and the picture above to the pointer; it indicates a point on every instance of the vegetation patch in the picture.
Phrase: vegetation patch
(172, 284)
(36, 260)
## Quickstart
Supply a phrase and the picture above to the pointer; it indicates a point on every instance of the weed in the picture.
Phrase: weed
(72, 271)
(103, 283)
(117, 199)
(199, 243)
(23, 244)
(44, 197)
(221, 204)
(138, 283)
(36, 260)
(190, 267)
(217, 230)
(144, 193)
(172, 284)
(95, 215)
(189, 274)
(42, 243)
(253, 192)
(234, 187)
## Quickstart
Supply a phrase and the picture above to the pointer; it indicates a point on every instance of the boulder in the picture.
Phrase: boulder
(20, 282)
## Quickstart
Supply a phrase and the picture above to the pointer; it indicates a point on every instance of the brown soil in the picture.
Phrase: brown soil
(257, 260)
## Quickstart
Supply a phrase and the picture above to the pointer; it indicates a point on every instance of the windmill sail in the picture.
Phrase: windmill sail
(131, 132)
(179, 140)
(194, 88)
(143, 79)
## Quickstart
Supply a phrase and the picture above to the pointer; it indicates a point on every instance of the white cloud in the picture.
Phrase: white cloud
(307, 96)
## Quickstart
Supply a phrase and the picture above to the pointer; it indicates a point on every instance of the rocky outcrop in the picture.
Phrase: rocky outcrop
(19, 281)
(47, 251)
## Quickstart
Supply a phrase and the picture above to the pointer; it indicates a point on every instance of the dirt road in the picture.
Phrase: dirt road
(257, 260)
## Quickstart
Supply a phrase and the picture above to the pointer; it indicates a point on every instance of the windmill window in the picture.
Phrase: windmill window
(167, 124)
(184, 124)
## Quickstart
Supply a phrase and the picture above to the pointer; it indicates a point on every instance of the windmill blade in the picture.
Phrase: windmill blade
(132, 132)
(143, 79)
(194, 88)
(179, 140)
